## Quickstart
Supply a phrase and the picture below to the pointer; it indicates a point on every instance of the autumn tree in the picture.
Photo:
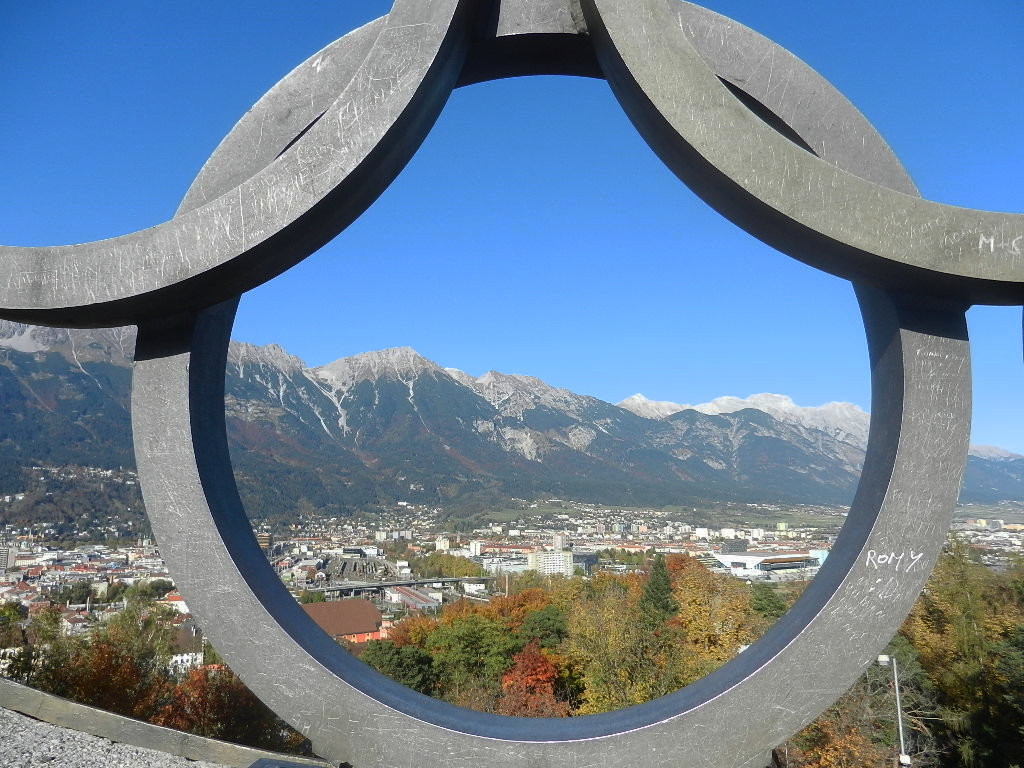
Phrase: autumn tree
(213, 702)
(528, 687)
(860, 728)
(959, 626)
(510, 611)
(121, 667)
(513, 609)
(831, 742)
(622, 660)
(413, 630)
(107, 675)
(715, 614)
(470, 655)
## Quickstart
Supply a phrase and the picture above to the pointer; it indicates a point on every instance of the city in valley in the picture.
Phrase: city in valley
(387, 560)
(533, 608)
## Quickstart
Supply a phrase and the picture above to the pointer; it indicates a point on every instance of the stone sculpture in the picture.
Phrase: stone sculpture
(798, 167)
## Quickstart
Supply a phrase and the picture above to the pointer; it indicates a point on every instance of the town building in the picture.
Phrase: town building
(765, 564)
(414, 599)
(173, 599)
(550, 562)
(7, 556)
(186, 646)
(354, 621)
(505, 564)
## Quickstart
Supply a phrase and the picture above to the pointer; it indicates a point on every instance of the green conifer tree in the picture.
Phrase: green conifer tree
(657, 602)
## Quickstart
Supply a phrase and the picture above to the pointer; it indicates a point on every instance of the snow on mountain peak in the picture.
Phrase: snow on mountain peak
(510, 381)
(764, 401)
(992, 452)
(650, 409)
(401, 363)
(461, 376)
(77, 344)
(21, 337)
(844, 421)
(242, 353)
(513, 394)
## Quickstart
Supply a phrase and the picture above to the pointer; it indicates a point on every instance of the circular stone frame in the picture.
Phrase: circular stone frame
(335, 132)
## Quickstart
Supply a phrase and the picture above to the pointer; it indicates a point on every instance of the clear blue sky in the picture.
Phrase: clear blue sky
(534, 232)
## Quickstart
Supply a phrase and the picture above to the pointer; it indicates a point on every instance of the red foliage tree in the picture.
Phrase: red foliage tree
(213, 702)
(110, 677)
(528, 688)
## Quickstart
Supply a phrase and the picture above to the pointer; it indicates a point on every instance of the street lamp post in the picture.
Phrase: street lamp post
(884, 661)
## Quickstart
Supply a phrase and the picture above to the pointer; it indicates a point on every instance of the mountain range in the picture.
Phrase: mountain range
(369, 430)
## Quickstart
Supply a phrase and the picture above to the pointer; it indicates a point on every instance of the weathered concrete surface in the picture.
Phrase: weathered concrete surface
(27, 743)
(105, 734)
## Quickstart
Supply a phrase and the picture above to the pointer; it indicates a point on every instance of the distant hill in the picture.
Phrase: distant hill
(373, 429)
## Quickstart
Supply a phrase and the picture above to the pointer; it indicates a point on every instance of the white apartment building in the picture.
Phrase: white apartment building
(550, 562)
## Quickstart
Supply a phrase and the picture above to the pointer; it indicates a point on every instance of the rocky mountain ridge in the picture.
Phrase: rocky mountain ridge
(844, 421)
(371, 429)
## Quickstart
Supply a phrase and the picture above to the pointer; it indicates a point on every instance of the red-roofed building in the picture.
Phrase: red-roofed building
(173, 599)
(73, 622)
(356, 621)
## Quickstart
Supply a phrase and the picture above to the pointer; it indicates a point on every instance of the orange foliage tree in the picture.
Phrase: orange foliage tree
(831, 743)
(528, 688)
(109, 676)
(413, 630)
(123, 668)
(211, 701)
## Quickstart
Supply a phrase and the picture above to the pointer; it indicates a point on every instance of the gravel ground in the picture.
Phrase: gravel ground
(26, 742)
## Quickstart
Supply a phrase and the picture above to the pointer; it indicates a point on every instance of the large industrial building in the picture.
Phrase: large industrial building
(763, 564)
